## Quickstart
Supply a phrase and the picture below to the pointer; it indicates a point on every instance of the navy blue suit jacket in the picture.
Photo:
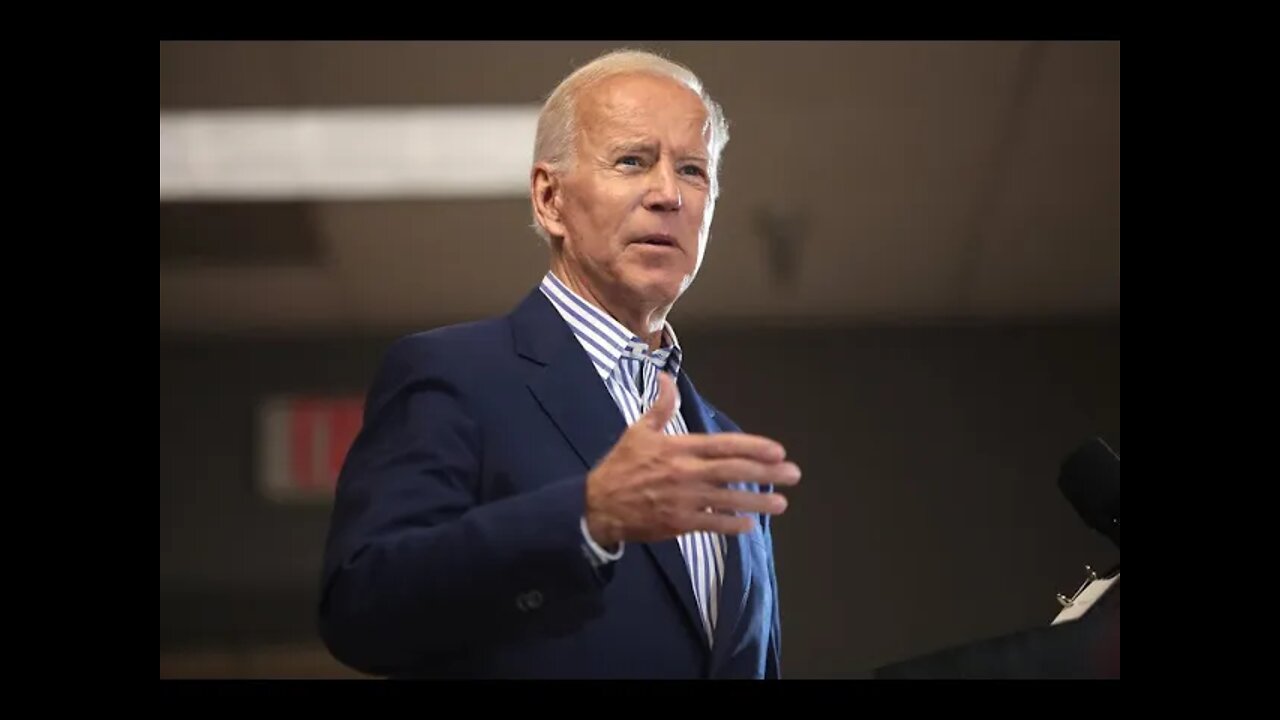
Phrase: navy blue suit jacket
(455, 547)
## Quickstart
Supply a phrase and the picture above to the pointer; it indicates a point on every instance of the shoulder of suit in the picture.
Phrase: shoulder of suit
(459, 346)
(459, 335)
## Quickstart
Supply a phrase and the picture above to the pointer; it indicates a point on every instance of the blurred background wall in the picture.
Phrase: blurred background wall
(913, 282)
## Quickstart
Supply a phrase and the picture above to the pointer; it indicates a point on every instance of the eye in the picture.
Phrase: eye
(695, 170)
(631, 160)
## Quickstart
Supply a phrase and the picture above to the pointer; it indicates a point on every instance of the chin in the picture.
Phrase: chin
(654, 281)
(659, 289)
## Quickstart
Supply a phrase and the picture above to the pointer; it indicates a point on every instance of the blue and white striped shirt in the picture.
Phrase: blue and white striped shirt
(629, 371)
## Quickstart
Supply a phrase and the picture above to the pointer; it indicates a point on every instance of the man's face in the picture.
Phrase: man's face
(635, 209)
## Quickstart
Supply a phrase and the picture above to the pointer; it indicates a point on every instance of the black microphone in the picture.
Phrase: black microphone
(1090, 480)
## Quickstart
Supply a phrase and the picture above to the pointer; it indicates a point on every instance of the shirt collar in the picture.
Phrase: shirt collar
(605, 339)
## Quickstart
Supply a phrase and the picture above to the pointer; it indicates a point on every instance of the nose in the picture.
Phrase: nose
(664, 192)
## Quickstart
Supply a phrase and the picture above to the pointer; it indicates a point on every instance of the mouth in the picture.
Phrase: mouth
(658, 240)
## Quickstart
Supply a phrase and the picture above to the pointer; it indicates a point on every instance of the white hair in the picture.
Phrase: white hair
(556, 141)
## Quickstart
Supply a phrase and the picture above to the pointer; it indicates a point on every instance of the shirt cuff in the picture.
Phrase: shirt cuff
(598, 555)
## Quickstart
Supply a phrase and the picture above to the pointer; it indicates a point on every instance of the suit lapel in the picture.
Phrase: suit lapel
(669, 558)
(580, 408)
(667, 553)
(737, 561)
(568, 388)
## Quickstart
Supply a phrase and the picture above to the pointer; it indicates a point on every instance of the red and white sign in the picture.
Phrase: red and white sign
(302, 443)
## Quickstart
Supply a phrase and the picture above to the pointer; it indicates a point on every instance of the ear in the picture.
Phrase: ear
(545, 190)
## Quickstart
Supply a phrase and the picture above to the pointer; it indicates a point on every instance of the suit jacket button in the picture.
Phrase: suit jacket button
(531, 600)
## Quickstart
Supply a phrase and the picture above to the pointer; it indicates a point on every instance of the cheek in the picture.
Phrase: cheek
(589, 226)
(604, 211)
(700, 221)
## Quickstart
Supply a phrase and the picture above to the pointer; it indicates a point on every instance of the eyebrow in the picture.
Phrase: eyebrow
(646, 147)
(631, 146)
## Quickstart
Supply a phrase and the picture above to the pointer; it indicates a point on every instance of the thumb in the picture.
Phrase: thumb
(657, 417)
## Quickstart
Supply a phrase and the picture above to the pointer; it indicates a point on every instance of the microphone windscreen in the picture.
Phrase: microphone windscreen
(1090, 480)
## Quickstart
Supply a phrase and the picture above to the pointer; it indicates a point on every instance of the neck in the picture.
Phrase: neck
(645, 321)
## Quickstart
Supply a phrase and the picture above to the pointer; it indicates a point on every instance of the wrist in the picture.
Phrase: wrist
(599, 556)
(602, 532)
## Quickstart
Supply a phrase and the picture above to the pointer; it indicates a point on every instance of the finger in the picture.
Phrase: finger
(716, 523)
(737, 470)
(787, 473)
(657, 417)
(740, 501)
(727, 445)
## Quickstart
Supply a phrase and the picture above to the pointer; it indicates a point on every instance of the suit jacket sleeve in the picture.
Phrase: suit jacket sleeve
(417, 571)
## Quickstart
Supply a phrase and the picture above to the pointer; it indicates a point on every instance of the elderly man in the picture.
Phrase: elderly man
(545, 494)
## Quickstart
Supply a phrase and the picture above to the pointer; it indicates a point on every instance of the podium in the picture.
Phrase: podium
(1083, 641)
(1083, 647)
